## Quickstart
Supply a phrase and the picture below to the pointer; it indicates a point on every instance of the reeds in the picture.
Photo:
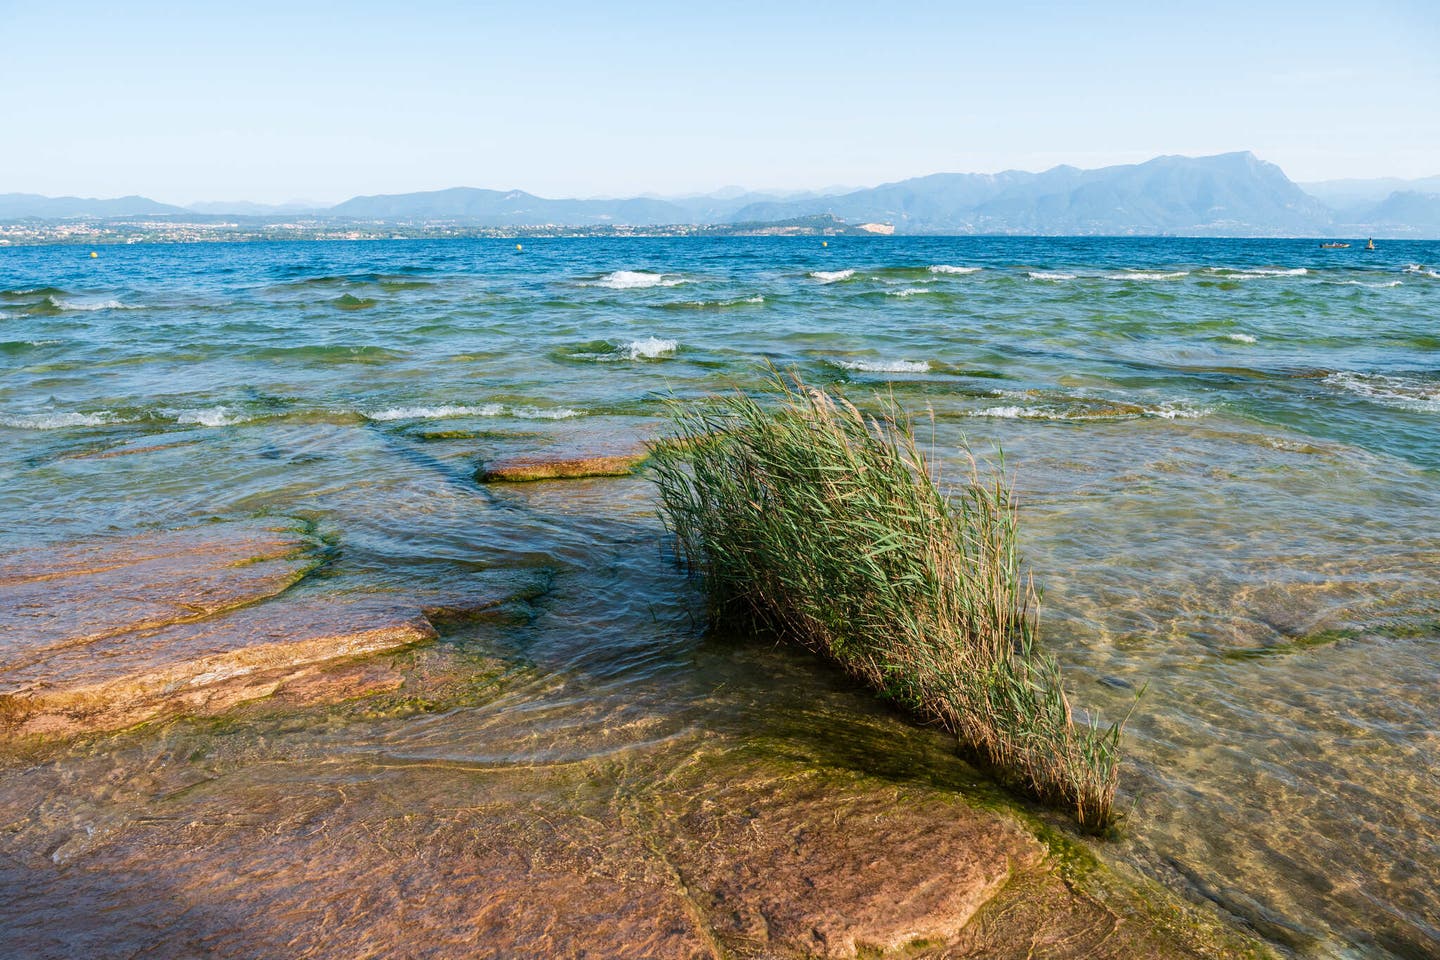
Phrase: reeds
(804, 516)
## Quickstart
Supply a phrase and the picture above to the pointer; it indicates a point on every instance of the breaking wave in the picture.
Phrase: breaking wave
(635, 280)
(650, 348)
(213, 417)
(87, 306)
(446, 411)
(57, 421)
(1147, 275)
(1081, 409)
(884, 366)
(831, 276)
(605, 351)
(1403, 393)
(953, 270)
(1362, 283)
(1253, 272)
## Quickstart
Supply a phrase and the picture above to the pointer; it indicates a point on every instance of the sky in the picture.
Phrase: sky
(273, 102)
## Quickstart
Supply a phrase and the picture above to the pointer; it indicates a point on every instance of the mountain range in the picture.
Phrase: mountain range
(1233, 194)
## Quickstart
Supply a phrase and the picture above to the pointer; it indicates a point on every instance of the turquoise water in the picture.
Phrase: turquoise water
(1228, 454)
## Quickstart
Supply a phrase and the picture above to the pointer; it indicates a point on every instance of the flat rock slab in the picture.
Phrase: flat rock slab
(561, 465)
(787, 861)
(57, 596)
(106, 634)
(384, 853)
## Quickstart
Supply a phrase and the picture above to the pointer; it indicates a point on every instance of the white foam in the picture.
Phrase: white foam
(650, 348)
(831, 276)
(1013, 413)
(436, 413)
(1373, 286)
(635, 280)
(57, 421)
(1403, 393)
(734, 302)
(1422, 270)
(1044, 275)
(955, 271)
(1147, 275)
(907, 292)
(1175, 410)
(1240, 337)
(1169, 410)
(543, 413)
(885, 366)
(445, 411)
(61, 303)
(1251, 272)
(213, 417)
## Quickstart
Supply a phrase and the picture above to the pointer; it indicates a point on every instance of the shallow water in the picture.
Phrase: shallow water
(1227, 453)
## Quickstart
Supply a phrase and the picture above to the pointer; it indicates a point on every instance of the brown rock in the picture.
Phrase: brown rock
(804, 862)
(409, 852)
(106, 634)
(75, 593)
(559, 467)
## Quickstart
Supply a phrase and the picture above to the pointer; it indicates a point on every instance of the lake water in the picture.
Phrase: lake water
(1227, 454)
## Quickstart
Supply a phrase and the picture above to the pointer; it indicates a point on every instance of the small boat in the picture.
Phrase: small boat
(1370, 244)
(1334, 246)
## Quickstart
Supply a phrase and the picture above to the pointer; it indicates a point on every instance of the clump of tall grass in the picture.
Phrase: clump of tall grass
(802, 515)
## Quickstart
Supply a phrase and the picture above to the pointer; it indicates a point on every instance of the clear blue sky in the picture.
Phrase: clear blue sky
(274, 101)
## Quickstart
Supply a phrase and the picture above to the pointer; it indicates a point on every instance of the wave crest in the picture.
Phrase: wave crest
(446, 411)
(635, 280)
(57, 421)
(1404, 393)
(884, 366)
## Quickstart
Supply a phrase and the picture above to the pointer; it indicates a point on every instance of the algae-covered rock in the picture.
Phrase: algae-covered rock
(560, 466)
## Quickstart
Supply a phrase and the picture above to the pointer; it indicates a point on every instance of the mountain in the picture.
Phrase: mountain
(1233, 193)
(518, 208)
(1404, 213)
(19, 206)
(1350, 194)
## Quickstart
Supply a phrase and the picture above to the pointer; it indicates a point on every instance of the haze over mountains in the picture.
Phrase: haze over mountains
(1233, 194)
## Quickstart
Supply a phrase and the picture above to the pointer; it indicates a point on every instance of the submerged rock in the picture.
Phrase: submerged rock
(698, 851)
(560, 466)
(105, 634)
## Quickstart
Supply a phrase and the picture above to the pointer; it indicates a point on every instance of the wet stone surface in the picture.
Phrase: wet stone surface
(109, 633)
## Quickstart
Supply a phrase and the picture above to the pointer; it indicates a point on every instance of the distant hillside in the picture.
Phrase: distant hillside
(1403, 213)
(509, 208)
(1231, 193)
(18, 206)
